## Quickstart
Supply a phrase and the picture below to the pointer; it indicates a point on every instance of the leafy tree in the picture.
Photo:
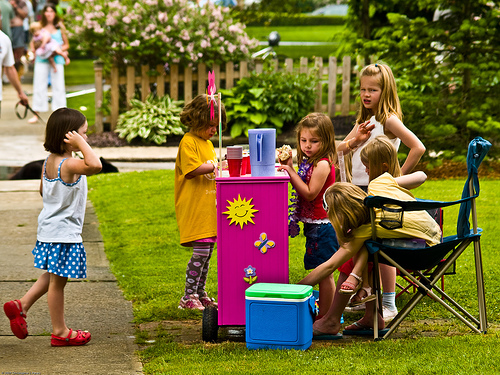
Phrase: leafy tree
(448, 68)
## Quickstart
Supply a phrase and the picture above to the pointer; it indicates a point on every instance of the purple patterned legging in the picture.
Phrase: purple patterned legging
(197, 268)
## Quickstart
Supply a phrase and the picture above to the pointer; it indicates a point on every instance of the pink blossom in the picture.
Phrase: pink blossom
(126, 19)
(111, 21)
(234, 29)
(163, 17)
(149, 28)
(135, 43)
(184, 35)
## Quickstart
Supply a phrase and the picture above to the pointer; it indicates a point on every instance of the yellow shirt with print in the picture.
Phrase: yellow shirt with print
(416, 224)
(195, 198)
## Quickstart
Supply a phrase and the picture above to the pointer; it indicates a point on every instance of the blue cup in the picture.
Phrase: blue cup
(262, 151)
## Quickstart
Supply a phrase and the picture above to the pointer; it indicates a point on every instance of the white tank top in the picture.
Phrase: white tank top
(359, 175)
(61, 219)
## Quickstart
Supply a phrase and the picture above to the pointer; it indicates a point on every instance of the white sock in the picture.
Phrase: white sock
(389, 300)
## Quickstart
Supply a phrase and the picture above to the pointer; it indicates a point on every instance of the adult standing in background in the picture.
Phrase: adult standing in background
(7, 61)
(50, 21)
(17, 32)
(8, 14)
(27, 21)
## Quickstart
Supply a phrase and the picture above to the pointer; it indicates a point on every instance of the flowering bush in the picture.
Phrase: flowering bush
(157, 32)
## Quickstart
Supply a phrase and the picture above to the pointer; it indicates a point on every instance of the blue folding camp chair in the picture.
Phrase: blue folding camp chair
(441, 256)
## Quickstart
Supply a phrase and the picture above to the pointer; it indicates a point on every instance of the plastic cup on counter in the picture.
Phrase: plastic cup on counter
(245, 163)
(234, 160)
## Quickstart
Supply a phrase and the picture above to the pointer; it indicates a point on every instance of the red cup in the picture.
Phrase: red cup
(245, 165)
(234, 167)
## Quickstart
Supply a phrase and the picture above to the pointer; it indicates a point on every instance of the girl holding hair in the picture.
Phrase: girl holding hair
(59, 249)
(317, 157)
(53, 25)
(351, 220)
(195, 172)
(380, 113)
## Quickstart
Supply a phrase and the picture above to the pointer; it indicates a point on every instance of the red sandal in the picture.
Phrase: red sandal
(82, 337)
(14, 312)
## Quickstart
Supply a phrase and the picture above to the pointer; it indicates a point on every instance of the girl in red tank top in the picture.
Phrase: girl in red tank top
(317, 157)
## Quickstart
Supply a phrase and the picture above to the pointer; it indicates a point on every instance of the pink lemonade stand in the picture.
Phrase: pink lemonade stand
(252, 243)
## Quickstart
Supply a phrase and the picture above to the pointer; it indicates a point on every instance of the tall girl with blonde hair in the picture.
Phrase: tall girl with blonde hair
(380, 113)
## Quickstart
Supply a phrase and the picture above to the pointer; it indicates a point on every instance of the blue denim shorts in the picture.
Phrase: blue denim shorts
(321, 244)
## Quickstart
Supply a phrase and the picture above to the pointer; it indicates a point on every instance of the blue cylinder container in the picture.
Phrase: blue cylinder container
(262, 151)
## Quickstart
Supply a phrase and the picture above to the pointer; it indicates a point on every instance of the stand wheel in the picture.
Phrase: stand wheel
(210, 324)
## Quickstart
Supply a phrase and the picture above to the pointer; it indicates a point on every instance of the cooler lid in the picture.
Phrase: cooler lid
(271, 290)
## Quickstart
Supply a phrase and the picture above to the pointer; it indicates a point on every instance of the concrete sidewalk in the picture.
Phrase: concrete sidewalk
(21, 142)
(96, 304)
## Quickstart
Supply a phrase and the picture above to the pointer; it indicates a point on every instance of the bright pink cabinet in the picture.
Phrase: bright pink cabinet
(252, 239)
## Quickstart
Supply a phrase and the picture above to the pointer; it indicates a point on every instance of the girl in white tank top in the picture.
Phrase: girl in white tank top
(59, 249)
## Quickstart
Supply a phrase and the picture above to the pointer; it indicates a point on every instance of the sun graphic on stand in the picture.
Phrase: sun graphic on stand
(240, 211)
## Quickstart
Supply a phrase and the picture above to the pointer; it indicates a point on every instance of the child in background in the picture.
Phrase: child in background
(317, 157)
(59, 248)
(44, 46)
(351, 220)
(195, 172)
(380, 113)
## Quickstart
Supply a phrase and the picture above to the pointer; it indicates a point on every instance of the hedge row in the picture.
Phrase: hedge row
(252, 18)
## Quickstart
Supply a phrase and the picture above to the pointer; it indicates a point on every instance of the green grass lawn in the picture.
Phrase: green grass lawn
(327, 34)
(297, 33)
(142, 243)
(81, 72)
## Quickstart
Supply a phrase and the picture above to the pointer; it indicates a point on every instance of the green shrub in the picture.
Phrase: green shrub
(152, 120)
(269, 99)
(256, 18)
(157, 32)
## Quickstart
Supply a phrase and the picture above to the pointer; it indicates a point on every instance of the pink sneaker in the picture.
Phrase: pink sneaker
(207, 301)
(191, 302)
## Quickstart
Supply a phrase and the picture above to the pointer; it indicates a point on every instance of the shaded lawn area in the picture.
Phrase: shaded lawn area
(137, 221)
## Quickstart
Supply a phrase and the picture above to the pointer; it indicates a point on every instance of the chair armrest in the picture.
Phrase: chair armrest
(418, 205)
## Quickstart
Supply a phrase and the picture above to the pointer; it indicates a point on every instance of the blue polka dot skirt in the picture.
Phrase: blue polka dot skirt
(62, 259)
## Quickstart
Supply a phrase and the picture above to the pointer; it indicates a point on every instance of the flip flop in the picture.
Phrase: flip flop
(317, 335)
(362, 330)
(16, 316)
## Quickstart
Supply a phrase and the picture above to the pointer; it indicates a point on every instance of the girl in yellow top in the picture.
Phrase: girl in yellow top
(195, 172)
(351, 220)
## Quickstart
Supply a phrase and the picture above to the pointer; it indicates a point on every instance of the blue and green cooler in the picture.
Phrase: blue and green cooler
(279, 316)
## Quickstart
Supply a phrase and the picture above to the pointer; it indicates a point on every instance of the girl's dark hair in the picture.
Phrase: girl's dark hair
(43, 20)
(61, 122)
(196, 114)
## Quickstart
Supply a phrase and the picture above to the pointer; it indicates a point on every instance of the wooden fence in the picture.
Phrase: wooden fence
(189, 78)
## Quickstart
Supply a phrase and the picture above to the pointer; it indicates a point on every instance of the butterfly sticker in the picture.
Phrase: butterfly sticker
(264, 243)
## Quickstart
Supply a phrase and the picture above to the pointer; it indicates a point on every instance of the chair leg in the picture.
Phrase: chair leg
(378, 300)
(483, 322)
